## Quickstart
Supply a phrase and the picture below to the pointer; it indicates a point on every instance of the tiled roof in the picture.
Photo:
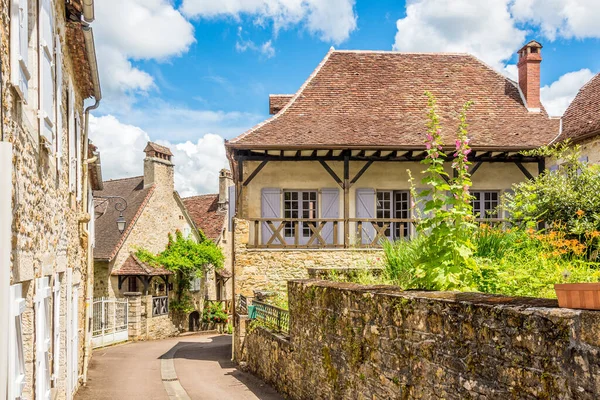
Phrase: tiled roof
(204, 210)
(278, 101)
(108, 237)
(158, 148)
(582, 118)
(370, 99)
(134, 267)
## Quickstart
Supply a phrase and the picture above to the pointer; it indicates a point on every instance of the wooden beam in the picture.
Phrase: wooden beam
(255, 172)
(476, 167)
(361, 172)
(332, 173)
(541, 165)
(524, 170)
(346, 187)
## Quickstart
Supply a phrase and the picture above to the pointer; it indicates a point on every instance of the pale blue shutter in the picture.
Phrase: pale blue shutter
(330, 206)
(231, 206)
(365, 209)
(419, 208)
(270, 208)
(507, 214)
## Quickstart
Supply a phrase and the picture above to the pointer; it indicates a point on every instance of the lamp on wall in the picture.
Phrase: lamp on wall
(120, 206)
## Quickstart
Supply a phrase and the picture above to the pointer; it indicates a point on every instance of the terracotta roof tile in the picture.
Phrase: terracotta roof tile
(108, 237)
(278, 101)
(133, 266)
(204, 210)
(582, 118)
(376, 99)
(158, 148)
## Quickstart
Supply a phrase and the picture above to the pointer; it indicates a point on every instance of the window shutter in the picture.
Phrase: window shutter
(47, 77)
(330, 206)
(270, 208)
(365, 209)
(507, 215)
(553, 168)
(231, 206)
(42, 339)
(19, 46)
(72, 144)
(78, 155)
(92, 223)
(59, 103)
(16, 353)
(56, 330)
(74, 337)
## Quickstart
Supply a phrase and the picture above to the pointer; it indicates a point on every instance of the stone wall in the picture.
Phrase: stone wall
(270, 269)
(348, 341)
(142, 325)
(45, 226)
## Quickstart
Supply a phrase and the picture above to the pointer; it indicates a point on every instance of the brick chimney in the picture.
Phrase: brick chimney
(225, 181)
(530, 57)
(158, 167)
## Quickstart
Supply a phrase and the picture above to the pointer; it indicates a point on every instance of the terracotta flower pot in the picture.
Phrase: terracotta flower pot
(578, 295)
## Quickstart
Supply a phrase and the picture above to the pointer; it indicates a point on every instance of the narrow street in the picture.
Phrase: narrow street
(189, 367)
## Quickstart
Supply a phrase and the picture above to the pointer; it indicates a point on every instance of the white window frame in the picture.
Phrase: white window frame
(78, 155)
(482, 200)
(42, 339)
(72, 140)
(47, 84)
(56, 291)
(289, 230)
(393, 200)
(19, 47)
(59, 101)
(16, 351)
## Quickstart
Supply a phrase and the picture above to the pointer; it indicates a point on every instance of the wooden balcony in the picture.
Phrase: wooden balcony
(328, 233)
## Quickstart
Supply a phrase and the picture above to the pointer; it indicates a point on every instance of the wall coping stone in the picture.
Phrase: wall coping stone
(132, 294)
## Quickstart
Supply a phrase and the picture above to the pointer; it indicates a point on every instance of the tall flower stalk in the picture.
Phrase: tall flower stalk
(447, 221)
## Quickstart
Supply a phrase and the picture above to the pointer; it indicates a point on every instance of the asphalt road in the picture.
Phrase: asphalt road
(144, 370)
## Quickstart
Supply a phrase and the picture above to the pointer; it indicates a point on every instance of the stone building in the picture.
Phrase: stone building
(210, 214)
(581, 121)
(322, 181)
(47, 171)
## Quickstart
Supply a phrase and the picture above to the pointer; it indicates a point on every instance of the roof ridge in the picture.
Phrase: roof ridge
(592, 79)
(395, 52)
(290, 103)
(200, 195)
(122, 179)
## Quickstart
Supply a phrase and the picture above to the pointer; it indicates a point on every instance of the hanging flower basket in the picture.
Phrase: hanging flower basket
(578, 295)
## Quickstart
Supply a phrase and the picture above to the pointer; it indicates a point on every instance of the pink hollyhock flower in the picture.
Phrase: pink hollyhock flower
(428, 146)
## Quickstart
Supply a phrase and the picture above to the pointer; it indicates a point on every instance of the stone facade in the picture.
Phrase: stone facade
(48, 237)
(590, 148)
(348, 341)
(270, 269)
(142, 325)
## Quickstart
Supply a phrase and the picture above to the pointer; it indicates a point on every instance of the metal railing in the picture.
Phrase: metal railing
(282, 233)
(272, 317)
(160, 305)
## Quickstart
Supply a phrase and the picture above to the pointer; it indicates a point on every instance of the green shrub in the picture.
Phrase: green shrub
(213, 312)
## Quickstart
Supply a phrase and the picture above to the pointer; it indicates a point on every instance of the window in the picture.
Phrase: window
(195, 284)
(72, 139)
(16, 355)
(19, 36)
(47, 73)
(485, 204)
(394, 205)
(56, 330)
(42, 339)
(299, 204)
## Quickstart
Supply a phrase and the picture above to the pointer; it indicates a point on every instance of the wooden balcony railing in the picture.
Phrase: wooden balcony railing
(319, 233)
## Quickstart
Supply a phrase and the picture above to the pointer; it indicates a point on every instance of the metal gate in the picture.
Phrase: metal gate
(109, 321)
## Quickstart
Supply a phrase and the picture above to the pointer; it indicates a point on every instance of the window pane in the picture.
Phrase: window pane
(401, 211)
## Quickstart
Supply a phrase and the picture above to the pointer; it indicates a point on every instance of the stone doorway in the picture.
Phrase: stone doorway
(194, 321)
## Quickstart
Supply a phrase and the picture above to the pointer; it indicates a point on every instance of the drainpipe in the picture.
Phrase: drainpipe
(85, 216)
(5, 252)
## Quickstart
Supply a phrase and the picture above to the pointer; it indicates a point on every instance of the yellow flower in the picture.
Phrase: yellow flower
(580, 213)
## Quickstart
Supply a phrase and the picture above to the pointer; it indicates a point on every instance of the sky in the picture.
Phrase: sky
(191, 73)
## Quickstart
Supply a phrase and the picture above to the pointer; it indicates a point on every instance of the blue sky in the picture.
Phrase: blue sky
(192, 72)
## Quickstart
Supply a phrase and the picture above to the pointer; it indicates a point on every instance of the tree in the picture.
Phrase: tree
(187, 259)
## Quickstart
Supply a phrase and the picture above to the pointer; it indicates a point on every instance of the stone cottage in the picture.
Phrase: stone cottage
(581, 121)
(48, 169)
(210, 214)
(151, 209)
(322, 181)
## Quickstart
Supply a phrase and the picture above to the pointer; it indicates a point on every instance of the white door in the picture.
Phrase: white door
(42, 338)
(74, 338)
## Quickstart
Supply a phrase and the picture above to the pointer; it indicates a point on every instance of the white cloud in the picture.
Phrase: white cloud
(483, 28)
(197, 163)
(557, 97)
(560, 18)
(330, 20)
(138, 30)
(242, 45)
